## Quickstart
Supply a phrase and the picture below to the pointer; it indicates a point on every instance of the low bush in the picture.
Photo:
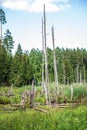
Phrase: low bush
(66, 119)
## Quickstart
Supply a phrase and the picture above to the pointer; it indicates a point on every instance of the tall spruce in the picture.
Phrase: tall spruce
(8, 42)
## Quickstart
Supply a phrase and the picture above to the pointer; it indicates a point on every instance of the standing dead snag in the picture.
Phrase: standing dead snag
(71, 92)
(10, 92)
(77, 71)
(32, 95)
(55, 66)
(46, 62)
(22, 104)
(80, 78)
(43, 89)
(25, 99)
(84, 74)
(64, 76)
(28, 98)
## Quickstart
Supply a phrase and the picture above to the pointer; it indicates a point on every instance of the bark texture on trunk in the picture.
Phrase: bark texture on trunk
(55, 65)
(46, 61)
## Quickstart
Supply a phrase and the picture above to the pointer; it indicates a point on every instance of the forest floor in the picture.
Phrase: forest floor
(56, 116)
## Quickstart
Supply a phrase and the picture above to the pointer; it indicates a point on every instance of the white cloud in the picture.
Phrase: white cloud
(16, 4)
(35, 5)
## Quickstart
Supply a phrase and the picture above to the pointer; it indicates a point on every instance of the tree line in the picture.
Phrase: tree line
(22, 67)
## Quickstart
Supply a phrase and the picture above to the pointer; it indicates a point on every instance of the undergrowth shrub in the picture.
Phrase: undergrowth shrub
(66, 119)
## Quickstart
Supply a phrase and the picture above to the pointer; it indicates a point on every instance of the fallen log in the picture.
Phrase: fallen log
(41, 110)
(2, 94)
(9, 109)
(15, 105)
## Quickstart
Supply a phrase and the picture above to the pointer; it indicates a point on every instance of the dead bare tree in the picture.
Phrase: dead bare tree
(10, 92)
(46, 62)
(32, 95)
(77, 69)
(64, 76)
(55, 66)
(43, 89)
(80, 78)
(84, 73)
(22, 103)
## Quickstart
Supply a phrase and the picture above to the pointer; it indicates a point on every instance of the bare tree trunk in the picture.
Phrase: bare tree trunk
(46, 62)
(80, 78)
(84, 73)
(32, 95)
(71, 92)
(43, 89)
(55, 66)
(64, 76)
(77, 69)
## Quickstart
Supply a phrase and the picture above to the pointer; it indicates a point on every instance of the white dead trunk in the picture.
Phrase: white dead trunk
(77, 69)
(84, 73)
(55, 66)
(64, 77)
(43, 89)
(80, 78)
(22, 104)
(46, 62)
(32, 95)
(71, 92)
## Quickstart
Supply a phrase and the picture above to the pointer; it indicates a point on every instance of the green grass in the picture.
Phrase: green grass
(30, 119)
(69, 119)
(17, 92)
(79, 92)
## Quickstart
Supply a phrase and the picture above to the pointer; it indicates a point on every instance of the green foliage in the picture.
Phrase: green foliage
(78, 92)
(40, 99)
(21, 68)
(55, 119)
(5, 64)
(2, 17)
(69, 119)
(19, 51)
(5, 100)
(36, 62)
(8, 42)
(50, 64)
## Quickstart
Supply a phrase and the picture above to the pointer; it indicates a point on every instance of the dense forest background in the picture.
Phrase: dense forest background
(23, 66)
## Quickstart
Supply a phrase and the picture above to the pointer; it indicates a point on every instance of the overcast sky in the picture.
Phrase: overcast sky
(69, 18)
